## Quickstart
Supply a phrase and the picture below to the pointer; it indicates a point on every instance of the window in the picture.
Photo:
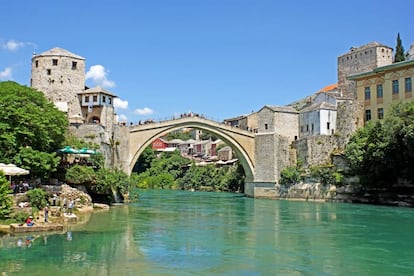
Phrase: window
(266, 127)
(367, 93)
(48, 71)
(54, 62)
(95, 99)
(307, 128)
(103, 99)
(74, 65)
(408, 87)
(312, 127)
(381, 113)
(379, 91)
(328, 125)
(86, 99)
(110, 100)
(367, 115)
(37, 63)
(395, 87)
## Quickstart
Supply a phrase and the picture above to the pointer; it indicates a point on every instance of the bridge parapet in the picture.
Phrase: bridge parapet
(184, 121)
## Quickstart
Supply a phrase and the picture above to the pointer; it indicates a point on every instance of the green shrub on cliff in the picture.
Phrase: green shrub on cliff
(5, 197)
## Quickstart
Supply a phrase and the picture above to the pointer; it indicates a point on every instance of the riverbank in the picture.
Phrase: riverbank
(400, 196)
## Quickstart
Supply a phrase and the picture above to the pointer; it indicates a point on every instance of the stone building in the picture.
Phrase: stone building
(97, 106)
(358, 60)
(246, 122)
(281, 120)
(383, 86)
(60, 75)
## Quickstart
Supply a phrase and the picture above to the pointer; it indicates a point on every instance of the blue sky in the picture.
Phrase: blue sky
(219, 58)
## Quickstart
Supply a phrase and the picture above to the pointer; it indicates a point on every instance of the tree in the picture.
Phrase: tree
(40, 164)
(28, 119)
(78, 174)
(399, 50)
(37, 198)
(6, 200)
(382, 152)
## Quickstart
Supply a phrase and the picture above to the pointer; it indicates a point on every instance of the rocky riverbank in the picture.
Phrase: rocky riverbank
(58, 215)
(403, 196)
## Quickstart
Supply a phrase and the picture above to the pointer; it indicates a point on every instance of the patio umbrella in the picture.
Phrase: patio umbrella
(12, 170)
(68, 150)
(86, 151)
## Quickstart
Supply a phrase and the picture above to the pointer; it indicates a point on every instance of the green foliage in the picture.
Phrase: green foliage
(6, 200)
(111, 180)
(37, 198)
(326, 174)
(291, 175)
(383, 151)
(28, 119)
(172, 171)
(20, 217)
(399, 50)
(170, 162)
(179, 134)
(78, 174)
(144, 160)
(41, 164)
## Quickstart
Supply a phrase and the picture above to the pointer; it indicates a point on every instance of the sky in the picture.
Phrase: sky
(217, 58)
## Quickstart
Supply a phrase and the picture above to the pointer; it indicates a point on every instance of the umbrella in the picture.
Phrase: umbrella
(86, 151)
(68, 150)
(11, 169)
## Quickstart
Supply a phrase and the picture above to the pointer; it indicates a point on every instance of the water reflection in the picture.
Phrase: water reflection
(179, 233)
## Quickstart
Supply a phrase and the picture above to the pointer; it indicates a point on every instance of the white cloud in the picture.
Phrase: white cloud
(98, 74)
(144, 111)
(118, 103)
(13, 45)
(6, 74)
(121, 118)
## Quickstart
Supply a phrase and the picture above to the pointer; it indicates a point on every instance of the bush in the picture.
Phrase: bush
(37, 198)
(326, 174)
(5, 198)
(290, 175)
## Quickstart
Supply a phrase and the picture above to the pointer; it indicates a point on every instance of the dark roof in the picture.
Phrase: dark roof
(97, 89)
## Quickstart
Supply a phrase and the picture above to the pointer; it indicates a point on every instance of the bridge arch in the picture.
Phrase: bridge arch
(241, 141)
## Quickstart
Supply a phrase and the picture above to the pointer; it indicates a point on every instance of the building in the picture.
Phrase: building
(97, 106)
(60, 75)
(246, 122)
(317, 119)
(381, 87)
(360, 59)
(281, 120)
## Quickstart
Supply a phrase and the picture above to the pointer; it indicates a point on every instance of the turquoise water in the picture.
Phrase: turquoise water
(185, 233)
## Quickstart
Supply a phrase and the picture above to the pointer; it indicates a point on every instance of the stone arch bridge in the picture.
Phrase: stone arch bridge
(241, 141)
(260, 154)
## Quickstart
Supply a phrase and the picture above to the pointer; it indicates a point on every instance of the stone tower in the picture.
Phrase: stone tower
(361, 59)
(60, 75)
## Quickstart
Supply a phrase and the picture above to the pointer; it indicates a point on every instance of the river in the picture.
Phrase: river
(201, 233)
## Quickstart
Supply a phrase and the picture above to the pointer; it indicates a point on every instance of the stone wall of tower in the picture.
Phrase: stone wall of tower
(60, 78)
(358, 60)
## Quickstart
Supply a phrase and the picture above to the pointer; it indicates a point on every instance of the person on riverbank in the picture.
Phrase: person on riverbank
(29, 221)
(54, 199)
(70, 207)
(64, 205)
(46, 212)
